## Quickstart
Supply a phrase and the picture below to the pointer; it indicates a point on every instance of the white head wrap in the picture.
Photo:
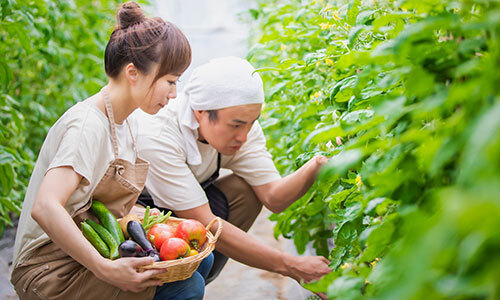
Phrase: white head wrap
(222, 82)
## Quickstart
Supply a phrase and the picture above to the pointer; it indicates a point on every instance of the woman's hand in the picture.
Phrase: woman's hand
(123, 273)
(48, 210)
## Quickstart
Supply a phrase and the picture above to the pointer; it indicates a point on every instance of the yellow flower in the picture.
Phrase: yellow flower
(358, 180)
(346, 27)
(335, 15)
(315, 96)
(324, 26)
(329, 62)
(283, 47)
(345, 266)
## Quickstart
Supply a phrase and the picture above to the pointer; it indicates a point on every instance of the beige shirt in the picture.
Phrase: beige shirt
(81, 139)
(172, 182)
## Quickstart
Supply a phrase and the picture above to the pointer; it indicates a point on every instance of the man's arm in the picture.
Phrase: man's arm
(240, 246)
(279, 194)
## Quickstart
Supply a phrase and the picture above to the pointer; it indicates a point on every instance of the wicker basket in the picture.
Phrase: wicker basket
(184, 268)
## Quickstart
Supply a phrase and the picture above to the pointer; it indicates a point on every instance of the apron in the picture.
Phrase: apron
(52, 274)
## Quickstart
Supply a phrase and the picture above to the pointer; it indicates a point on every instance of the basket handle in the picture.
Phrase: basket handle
(219, 226)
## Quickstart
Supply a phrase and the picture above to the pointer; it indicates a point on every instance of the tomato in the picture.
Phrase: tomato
(193, 232)
(174, 248)
(159, 233)
(157, 228)
(161, 237)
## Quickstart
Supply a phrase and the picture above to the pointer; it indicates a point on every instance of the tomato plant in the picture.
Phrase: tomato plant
(52, 57)
(404, 98)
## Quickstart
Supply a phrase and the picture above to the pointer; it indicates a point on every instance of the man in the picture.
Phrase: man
(214, 124)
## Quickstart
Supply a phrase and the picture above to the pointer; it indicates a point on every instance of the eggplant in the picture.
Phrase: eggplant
(136, 232)
(130, 248)
(155, 255)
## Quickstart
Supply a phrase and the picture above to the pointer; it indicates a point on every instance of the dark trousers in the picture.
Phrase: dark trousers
(243, 205)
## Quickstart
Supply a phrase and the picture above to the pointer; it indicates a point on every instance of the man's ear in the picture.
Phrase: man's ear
(131, 73)
(198, 114)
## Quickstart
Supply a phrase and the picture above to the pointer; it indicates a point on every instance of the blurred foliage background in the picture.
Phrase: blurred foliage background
(402, 95)
(404, 98)
(52, 57)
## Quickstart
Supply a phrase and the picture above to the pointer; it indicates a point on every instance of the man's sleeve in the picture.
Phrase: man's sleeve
(253, 162)
(170, 182)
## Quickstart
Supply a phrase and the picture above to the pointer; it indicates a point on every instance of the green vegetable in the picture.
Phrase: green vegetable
(95, 239)
(148, 221)
(106, 237)
(107, 220)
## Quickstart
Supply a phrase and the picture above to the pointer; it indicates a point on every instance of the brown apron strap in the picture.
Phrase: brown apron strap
(111, 117)
(109, 110)
(132, 136)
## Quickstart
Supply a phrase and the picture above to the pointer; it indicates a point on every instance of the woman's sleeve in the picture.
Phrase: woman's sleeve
(78, 144)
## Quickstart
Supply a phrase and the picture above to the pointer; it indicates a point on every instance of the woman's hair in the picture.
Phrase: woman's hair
(143, 41)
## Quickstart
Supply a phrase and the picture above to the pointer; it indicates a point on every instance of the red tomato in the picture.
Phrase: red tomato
(161, 237)
(156, 229)
(193, 232)
(174, 248)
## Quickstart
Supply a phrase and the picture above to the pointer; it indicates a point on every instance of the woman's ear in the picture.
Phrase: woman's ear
(131, 73)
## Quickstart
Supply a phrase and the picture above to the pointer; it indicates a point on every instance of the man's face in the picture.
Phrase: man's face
(228, 133)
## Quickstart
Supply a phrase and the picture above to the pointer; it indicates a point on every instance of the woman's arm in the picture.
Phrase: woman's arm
(49, 212)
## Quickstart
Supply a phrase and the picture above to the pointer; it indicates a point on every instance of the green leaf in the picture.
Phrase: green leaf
(5, 76)
(377, 241)
(300, 239)
(353, 11)
(340, 163)
(346, 287)
(7, 178)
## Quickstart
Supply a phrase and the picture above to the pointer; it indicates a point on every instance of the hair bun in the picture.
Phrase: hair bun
(130, 13)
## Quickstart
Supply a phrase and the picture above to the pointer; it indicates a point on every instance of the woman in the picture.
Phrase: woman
(88, 154)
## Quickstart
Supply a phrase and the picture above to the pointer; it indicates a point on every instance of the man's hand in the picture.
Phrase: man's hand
(306, 268)
(316, 163)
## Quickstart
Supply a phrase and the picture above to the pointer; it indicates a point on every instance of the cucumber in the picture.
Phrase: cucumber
(95, 239)
(108, 221)
(106, 237)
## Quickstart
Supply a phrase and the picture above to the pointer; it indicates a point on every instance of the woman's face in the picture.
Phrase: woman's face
(159, 94)
(151, 97)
